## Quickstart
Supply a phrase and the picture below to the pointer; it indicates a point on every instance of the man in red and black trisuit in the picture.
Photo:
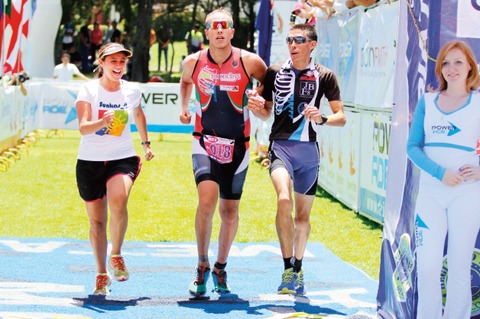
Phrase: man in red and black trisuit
(222, 75)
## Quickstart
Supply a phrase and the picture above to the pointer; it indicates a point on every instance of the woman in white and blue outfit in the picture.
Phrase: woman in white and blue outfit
(443, 138)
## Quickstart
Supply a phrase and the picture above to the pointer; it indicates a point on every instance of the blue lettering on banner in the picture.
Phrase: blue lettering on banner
(372, 204)
(346, 49)
(379, 172)
(324, 50)
(54, 109)
(380, 145)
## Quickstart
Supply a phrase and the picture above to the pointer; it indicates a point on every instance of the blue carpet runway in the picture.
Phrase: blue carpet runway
(53, 279)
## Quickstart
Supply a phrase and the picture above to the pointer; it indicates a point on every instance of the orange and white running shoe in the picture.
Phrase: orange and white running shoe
(102, 282)
(117, 265)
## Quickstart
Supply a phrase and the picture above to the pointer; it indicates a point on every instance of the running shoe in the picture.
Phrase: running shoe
(102, 282)
(289, 282)
(300, 288)
(117, 265)
(220, 285)
(198, 287)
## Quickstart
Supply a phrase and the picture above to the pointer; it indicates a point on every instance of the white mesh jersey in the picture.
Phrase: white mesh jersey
(115, 141)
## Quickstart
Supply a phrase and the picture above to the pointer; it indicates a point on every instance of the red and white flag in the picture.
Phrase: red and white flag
(15, 29)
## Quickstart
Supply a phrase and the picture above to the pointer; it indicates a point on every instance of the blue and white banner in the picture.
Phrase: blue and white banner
(348, 57)
(423, 29)
(327, 49)
(376, 61)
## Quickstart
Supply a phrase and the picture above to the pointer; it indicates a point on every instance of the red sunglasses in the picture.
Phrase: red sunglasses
(215, 24)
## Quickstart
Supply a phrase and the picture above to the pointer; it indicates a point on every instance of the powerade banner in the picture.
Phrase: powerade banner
(375, 128)
(438, 21)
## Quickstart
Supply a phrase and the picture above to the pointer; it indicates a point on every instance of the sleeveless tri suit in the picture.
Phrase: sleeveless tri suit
(220, 149)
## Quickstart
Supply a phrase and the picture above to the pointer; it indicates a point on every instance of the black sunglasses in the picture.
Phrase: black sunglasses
(298, 40)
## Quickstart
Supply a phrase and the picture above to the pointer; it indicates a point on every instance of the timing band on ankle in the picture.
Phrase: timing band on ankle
(220, 266)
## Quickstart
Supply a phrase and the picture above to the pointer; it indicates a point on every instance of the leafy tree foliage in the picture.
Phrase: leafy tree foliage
(139, 16)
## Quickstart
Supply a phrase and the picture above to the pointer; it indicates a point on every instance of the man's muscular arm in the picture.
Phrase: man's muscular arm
(186, 86)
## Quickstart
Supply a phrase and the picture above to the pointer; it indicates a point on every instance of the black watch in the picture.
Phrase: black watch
(146, 143)
(324, 119)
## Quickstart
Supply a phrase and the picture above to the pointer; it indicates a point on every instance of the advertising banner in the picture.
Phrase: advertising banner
(11, 115)
(162, 107)
(282, 11)
(340, 159)
(327, 51)
(53, 103)
(433, 23)
(375, 133)
(348, 60)
(329, 143)
(377, 42)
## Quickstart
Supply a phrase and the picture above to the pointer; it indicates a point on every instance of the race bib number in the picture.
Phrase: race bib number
(218, 148)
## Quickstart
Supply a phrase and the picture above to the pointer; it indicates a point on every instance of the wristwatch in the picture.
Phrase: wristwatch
(324, 119)
(146, 143)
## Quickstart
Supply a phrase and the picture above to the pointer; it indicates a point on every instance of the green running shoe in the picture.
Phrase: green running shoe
(289, 282)
(220, 282)
(198, 287)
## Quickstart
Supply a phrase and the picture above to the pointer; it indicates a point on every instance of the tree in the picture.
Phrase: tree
(251, 15)
(178, 15)
(141, 41)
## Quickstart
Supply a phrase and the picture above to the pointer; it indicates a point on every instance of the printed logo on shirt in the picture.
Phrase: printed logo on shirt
(449, 130)
(206, 80)
(307, 88)
(209, 77)
(308, 76)
(120, 120)
(229, 88)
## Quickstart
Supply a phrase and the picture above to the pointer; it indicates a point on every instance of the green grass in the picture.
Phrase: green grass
(39, 199)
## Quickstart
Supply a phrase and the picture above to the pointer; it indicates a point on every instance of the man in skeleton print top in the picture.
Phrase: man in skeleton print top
(294, 90)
